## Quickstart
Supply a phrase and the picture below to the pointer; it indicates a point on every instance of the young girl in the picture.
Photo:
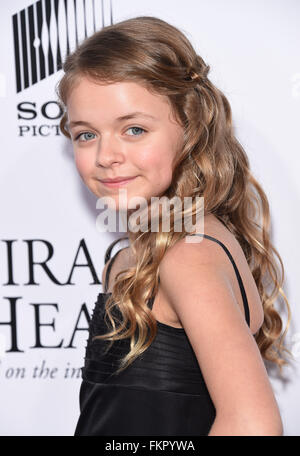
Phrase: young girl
(178, 337)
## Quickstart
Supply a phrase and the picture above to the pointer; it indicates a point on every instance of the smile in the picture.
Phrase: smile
(118, 184)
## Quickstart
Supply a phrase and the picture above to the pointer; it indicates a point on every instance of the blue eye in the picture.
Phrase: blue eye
(136, 128)
(84, 133)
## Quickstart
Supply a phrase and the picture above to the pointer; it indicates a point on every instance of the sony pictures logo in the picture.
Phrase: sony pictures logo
(44, 33)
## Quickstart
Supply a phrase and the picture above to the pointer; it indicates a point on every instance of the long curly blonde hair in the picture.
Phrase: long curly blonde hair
(211, 164)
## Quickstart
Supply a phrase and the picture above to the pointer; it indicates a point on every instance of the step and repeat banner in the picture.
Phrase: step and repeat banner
(52, 251)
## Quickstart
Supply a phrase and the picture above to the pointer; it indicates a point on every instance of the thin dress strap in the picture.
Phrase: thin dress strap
(244, 296)
(107, 258)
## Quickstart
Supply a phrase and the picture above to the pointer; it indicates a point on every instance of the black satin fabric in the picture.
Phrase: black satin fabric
(161, 393)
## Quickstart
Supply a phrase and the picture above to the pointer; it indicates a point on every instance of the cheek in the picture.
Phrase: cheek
(156, 163)
(84, 163)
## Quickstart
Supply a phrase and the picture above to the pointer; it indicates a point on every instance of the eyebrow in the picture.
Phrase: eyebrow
(131, 115)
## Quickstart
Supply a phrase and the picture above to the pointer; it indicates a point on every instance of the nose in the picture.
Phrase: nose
(108, 152)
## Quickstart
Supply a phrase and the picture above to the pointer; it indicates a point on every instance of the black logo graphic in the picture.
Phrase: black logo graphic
(48, 30)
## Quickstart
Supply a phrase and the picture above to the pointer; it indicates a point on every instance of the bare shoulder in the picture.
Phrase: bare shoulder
(200, 268)
(197, 254)
(196, 245)
(205, 256)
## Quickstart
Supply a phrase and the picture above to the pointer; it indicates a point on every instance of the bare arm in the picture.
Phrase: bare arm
(243, 426)
(197, 287)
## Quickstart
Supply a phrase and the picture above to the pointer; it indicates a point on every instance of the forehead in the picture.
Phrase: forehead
(90, 98)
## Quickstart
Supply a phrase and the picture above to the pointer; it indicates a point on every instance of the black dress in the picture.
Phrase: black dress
(162, 393)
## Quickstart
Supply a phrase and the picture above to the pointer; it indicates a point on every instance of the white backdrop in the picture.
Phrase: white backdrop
(52, 255)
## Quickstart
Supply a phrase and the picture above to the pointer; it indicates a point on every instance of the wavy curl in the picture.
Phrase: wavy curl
(211, 163)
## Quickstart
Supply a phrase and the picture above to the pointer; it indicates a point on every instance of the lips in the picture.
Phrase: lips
(117, 183)
(117, 179)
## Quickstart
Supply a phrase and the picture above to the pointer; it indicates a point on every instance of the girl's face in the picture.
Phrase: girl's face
(121, 130)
